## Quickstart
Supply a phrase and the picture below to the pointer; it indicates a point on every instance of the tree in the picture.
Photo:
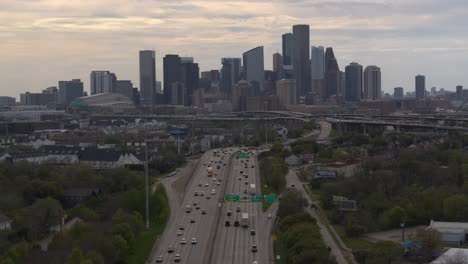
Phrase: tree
(395, 216)
(454, 207)
(430, 242)
(76, 257)
(121, 247)
(384, 252)
(124, 230)
(291, 203)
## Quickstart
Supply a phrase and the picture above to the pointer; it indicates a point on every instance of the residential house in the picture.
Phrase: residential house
(293, 160)
(109, 159)
(72, 197)
(5, 222)
(450, 232)
(308, 158)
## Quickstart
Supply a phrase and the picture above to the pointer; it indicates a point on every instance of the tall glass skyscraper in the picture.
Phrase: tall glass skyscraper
(353, 82)
(172, 73)
(301, 59)
(287, 56)
(372, 83)
(318, 70)
(253, 68)
(147, 77)
(420, 86)
(332, 77)
(230, 74)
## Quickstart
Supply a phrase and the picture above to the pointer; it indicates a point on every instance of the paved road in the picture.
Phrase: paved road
(292, 179)
(325, 130)
(233, 245)
(203, 226)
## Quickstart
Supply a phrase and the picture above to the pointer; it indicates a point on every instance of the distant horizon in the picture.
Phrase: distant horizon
(44, 46)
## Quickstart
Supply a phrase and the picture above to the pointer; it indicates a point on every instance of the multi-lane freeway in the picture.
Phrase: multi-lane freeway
(213, 241)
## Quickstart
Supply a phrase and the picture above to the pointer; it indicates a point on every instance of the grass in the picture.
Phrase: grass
(145, 241)
(279, 249)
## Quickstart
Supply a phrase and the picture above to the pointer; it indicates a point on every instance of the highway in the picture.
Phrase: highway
(202, 227)
(233, 245)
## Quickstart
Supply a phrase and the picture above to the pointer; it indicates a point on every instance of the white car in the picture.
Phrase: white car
(213, 192)
(194, 241)
(179, 232)
(183, 241)
(206, 185)
(159, 259)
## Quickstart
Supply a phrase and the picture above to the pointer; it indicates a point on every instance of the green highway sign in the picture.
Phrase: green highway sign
(256, 198)
(242, 155)
(270, 198)
(231, 198)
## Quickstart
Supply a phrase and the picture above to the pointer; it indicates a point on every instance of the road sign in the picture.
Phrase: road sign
(231, 198)
(256, 198)
(242, 155)
(270, 198)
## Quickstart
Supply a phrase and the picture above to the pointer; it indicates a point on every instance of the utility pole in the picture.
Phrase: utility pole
(147, 187)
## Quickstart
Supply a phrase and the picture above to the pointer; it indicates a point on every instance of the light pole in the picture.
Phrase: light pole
(147, 187)
(402, 225)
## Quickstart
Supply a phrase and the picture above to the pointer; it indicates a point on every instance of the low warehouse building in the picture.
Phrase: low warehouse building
(450, 232)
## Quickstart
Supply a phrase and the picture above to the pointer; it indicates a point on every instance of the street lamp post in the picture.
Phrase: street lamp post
(402, 225)
(147, 187)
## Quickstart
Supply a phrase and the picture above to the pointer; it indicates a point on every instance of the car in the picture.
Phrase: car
(227, 223)
(196, 193)
(197, 207)
(183, 241)
(202, 194)
(254, 248)
(238, 209)
(236, 223)
(269, 216)
(246, 183)
(177, 258)
(208, 197)
(179, 232)
(219, 167)
(255, 262)
(213, 192)
(188, 209)
(245, 191)
(293, 185)
(203, 211)
(194, 241)
(206, 185)
(252, 166)
(214, 179)
(229, 213)
(181, 227)
(159, 259)
(313, 205)
(195, 204)
(192, 220)
(218, 183)
(241, 172)
(170, 249)
(240, 178)
(200, 184)
(252, 232)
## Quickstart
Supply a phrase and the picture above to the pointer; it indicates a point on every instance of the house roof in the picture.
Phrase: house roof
(449, 227)
(99, 155)
(452, 252)
(4, 218)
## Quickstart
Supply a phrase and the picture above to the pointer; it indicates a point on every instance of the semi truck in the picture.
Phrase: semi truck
(210, 171)
(245, 220)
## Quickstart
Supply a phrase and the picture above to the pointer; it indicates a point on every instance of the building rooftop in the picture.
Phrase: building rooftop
(449, 227)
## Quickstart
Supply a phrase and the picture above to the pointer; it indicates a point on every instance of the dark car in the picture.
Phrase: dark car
(229, 213)
(170, 249)
(252, 232)
(236, 223)
(254, 248)
(227, 223)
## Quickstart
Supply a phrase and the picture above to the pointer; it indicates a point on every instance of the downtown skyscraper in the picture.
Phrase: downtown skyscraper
(253, 68)
(372, 83)
(420, 86)
(287, 47)
(317, 62)
(230, 74)
(353, 82)
(172, 74)
(332, 76)
(102, 82)
(301, 59)
(147, 77)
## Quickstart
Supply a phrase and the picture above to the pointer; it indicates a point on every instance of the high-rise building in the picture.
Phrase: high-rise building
(178, 93)
(136, 96)
(332, 76)
(69, 91)
(102, 82)
(459, 92)
(398, 92)
(420, 86)
(190, 75)
(147, 77)
(286, 91)
(287, 56)
(318, 70)
(253, 67)
(159, 89)
(37, 98)
(301, 59)
(124, 87)
(230, 74)
(278, 65)
(172, 74)
(240, 92)
(7, 100)
(372, 83)
(353, 82)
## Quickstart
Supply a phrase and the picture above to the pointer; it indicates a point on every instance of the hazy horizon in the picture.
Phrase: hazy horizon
(51, 40)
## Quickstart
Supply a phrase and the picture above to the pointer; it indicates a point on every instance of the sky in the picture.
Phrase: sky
(44, 41)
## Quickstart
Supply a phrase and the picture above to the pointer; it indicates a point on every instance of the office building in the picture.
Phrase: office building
(398, 92)
(147, 77)
(69, 91)
(332, 75)
(240, 92)
(253, 68)
(278, 65)
(318, 70)
(37, 98)
(372, 83)
(186, 60)
(7, 100)
(123, 87)
(301, 59)
(178, 93)
(136, 96)
(353, 88)
(287, 47)
(212, 75)
(190, 75)
(102, 82)
(420, 86)
(159, 89)
(172, 73)
(286, 92)
(459, 92)
(230, 74)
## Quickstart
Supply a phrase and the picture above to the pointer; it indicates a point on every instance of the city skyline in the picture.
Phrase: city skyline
(403, 39)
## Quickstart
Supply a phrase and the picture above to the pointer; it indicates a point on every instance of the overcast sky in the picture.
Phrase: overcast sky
(44, 41)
